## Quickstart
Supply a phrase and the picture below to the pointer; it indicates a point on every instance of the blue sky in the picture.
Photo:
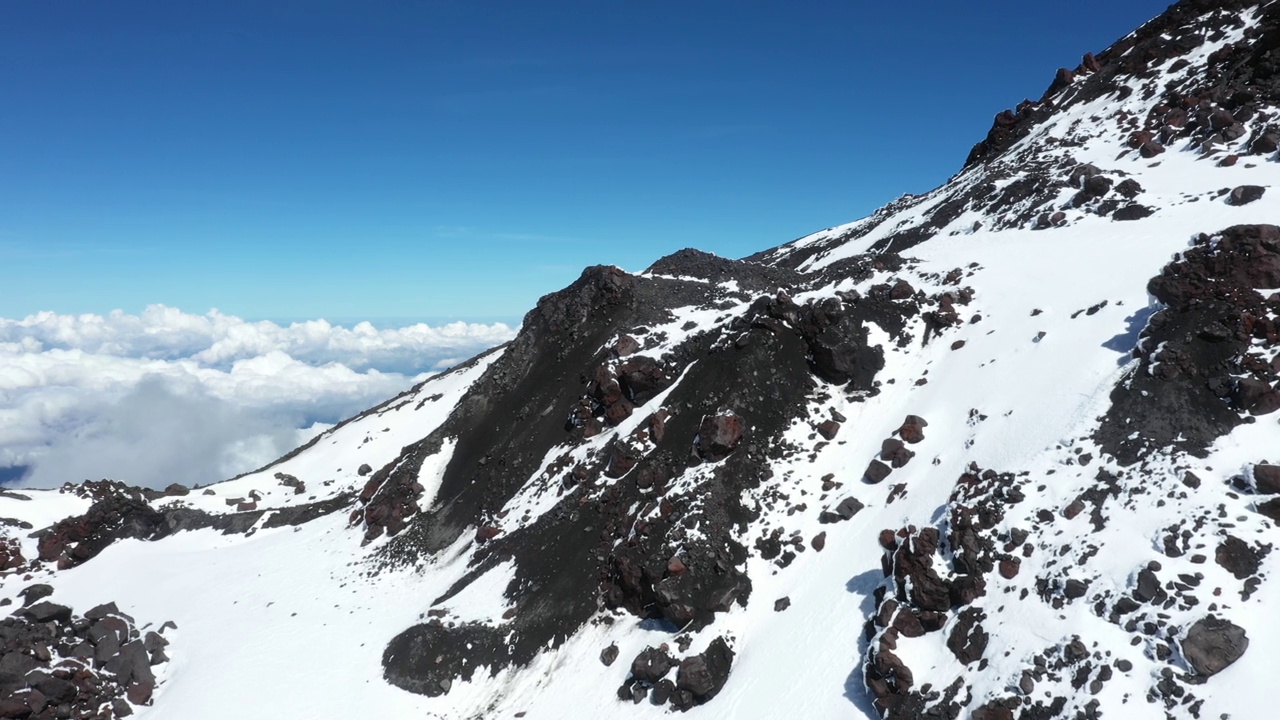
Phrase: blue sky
(456, 160)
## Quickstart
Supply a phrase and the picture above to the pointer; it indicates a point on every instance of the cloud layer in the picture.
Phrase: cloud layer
(166, 396)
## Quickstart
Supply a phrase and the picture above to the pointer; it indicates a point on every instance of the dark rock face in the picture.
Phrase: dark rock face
(1212, 644)
(1185, 392)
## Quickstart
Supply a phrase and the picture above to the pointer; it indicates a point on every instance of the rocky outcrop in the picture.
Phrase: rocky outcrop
(55, 664)
(1199, 373)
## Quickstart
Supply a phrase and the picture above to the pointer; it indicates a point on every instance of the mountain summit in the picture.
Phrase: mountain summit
(1002, 450)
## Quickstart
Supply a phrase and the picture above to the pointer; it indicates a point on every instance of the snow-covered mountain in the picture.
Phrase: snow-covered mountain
(1003, 450)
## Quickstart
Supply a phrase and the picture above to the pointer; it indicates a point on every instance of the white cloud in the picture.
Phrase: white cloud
(167, 396)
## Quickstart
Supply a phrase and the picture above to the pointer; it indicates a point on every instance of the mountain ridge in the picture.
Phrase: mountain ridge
(1015, 473)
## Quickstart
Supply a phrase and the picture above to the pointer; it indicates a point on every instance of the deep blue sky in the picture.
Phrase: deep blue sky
(459, 159)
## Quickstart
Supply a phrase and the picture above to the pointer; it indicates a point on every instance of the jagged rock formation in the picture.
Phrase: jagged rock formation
(951, 460)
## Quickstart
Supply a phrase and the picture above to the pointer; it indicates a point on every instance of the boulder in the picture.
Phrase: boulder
(703, 675)
(968, 641)
(849, 507)
(829, 429)
(626, 345)
(1266, 479)
(912, 430)
(876, 472)
(718, 435)
(1212, 644)
(1132, 212)
(34, 593)
(895, 452)
(609, 654)
(47, 612)
(98, 612)
(1245, 194)
(651, 665)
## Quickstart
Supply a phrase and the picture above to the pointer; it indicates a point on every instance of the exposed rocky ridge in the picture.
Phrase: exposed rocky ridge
(1199, 75)
(1205, 359)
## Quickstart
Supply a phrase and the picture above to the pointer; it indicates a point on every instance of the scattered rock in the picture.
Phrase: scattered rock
(609, 654)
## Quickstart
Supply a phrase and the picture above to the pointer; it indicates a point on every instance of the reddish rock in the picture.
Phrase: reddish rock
(675, 565)
(626, 345)
(876, 472)
(1009, 567)
(1150, 149)
(912, 430)
(819, 541)
(829, 429)
(139, 693)
(894, 452)
(1140, 138)
(486, 533)
(957, 345)
(719, 435)
(1229, 160)
(1221, 119)
(1090, 63)
(901, 290)
(620, 410)
(658, 426)
(1266, 479)
(1061, 81)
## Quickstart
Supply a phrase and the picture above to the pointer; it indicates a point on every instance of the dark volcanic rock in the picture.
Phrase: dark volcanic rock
(50, 686)
(1237, 557)
(719, 435)
(703, 675)
(876, 472)
(1245, 194)
(1181, 393)
(1266, 479)
(1132, 212)
(968, 641)
(1211, 644)
(121, 512)
(425, 659)
(651, 665)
